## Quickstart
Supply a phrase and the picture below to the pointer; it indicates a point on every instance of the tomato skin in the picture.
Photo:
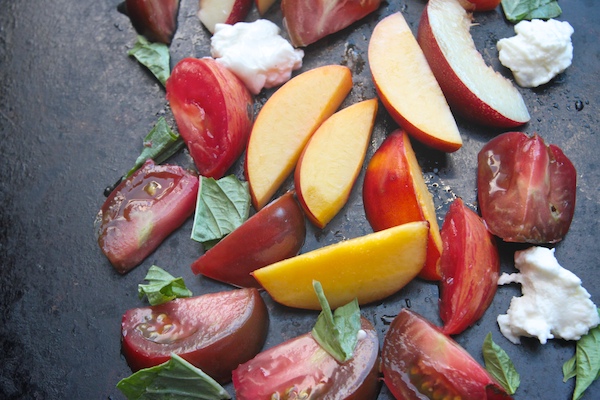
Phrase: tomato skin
(301, 363)
(214, 113)
(215, 332)
(155, 19)
(484, 5)
(274, 233)
(470, 267)
(418, 361)
(526, 189)
(143, 210)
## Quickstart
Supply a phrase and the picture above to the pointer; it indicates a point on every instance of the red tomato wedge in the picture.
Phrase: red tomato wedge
(526, 189)
(215, 332)
(214, 113)
(143, 210)
(301, 369)
(470, 267)
(419, 362)
(310, 20)
(274, 233)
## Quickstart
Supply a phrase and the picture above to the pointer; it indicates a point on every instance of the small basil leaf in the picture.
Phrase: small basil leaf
(175, 379)
(337, 333)
(517, 10)
(569, 369)
(587, 360)
(154, 56)
(500, 366)
(159, 144)
(222, 206)
(162, 287)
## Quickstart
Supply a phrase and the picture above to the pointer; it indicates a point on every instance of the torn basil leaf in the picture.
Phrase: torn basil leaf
(500, 366)
(222, 206)
(162, 287)
(175, 379)
(518, 10)
(159, 144)
(337, 332)
(154, 56)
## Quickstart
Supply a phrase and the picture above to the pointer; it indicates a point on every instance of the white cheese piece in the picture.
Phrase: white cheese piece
(540, 51)
(553, 305)
(256, 53)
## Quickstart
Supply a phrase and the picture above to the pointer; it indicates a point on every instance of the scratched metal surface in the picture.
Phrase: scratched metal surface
(73, 111)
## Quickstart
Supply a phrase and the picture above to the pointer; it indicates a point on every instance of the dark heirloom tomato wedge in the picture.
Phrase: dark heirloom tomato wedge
(301, 369)
(274, 233)
(418, 361)
(143, 210)
(155, 19)
(215, 332)
(470, 267)
(214, 113)
(526, 189)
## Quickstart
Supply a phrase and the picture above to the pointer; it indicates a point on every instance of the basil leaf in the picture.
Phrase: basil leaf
(587, 360)
(500, 366)
(163, 287)
(154, 56)
(337, 333)
(569, 369)
(159, 144)
(517, 10)
(175, 379)
(222, 206)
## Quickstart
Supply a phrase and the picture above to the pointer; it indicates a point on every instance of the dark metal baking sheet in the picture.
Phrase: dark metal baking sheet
(73, 111)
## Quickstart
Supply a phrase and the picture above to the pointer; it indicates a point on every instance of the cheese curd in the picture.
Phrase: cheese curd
(553, 305)
(540, 51)
(256, 53)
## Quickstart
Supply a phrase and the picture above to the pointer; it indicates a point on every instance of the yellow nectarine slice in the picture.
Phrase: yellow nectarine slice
(332, 159)
(285, 124)
(368, 268)
(407, 87)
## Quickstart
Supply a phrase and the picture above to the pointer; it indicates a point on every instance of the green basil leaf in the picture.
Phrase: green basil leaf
(154, 56)
(162, 287)
(222, 206)
(587, 360)
(337, 333)
(175, 379)
(569, 369)
(159, 144)
(517, 10)
(500, 366)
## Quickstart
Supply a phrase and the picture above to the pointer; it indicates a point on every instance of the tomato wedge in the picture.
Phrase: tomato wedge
(526, 189)
(418, 361)
(143, 210)
(215, 332)
(274, 233)
(470, 267)
(301, 369)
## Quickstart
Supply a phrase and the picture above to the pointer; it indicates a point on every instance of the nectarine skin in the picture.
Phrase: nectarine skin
(394, 193)
(461, 98)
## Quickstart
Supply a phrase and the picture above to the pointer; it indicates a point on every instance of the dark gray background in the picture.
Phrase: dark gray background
(73, 111)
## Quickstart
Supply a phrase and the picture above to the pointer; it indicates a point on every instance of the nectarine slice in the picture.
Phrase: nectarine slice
(368, 268)
(406, 85)
(332, 159)
(395, 192)
(285, 124)
(473, 88)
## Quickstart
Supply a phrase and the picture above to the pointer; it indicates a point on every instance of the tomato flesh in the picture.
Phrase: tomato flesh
(143, 210)
(418, 361)
(215, 332)
(214, 113)
(274, 233)
(470, 267)
(300, 368)
(526, 189)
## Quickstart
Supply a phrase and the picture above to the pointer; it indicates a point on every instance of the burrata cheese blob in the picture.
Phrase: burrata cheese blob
(256, 53)
(553, 305)
(540, 51)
